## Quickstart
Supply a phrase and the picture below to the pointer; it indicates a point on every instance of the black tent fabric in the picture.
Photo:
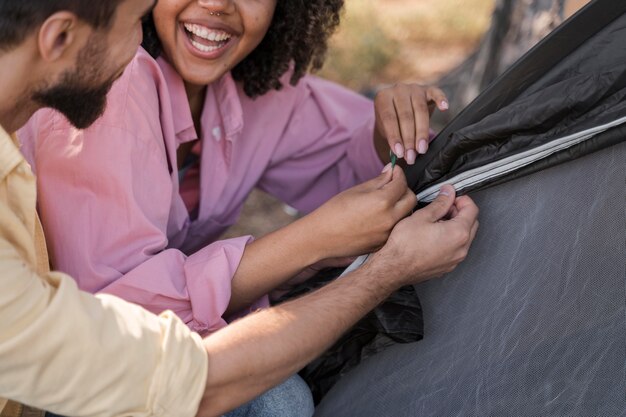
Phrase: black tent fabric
(533, 323)
(564, 99)
(396, 320)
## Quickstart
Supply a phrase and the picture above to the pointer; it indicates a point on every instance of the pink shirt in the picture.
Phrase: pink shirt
(109, 195)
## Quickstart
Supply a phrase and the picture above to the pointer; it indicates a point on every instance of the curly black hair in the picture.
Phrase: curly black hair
(298, 36)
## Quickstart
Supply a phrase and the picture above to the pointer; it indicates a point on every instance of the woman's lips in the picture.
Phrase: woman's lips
(205, 41)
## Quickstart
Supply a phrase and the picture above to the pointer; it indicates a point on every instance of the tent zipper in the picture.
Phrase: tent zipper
(502, 167)
(514, 162)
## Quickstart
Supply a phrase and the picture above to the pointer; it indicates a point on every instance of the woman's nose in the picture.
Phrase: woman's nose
(217, 6)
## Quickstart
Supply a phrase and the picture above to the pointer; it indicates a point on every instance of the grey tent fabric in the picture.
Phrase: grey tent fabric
(533, 323)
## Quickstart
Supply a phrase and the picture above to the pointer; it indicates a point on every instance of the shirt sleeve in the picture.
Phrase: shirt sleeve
(109, 226)
(74, 354)
(326, 147)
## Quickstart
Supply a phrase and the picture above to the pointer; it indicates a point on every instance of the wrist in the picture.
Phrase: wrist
(382, 272)
(311, 239)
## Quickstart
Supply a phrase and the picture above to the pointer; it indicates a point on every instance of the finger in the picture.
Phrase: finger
(399, 172)
(387, 118)
(406, 121)
(473, 232)
(441, 205)
(468, 210)
(453, 212)
(431, 135)
(431, 107)
(406, 204)
(438, 97)
(422, 119)
(396, 188)
(465, 203)
(376, 183)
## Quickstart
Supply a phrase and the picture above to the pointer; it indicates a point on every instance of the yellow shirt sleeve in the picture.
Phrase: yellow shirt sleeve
(74, 354)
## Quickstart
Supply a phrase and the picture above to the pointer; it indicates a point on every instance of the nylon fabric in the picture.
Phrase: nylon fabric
(570, 106)
(566, 84)
(398, 319)
(532, 323)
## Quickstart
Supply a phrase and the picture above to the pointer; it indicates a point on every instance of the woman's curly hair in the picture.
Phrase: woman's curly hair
(298, 36)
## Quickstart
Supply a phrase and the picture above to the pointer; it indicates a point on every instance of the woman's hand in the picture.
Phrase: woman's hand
(359, 220)
(352, 223)
(403, 118)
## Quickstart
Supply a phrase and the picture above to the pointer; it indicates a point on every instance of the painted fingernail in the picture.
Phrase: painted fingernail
(387, 168)
(411, 156)
(422, 146)
(444, 105)
(399, 150)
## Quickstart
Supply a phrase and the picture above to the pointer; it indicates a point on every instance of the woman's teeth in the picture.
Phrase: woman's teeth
(206, 33)
(204, 48)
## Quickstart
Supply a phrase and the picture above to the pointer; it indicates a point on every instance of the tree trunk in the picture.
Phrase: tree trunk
(516, 26)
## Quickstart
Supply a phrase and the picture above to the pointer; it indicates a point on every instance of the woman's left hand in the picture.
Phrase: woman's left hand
(403, 118)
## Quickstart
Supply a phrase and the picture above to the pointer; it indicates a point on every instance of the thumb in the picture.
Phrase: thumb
(384, 178)
(440, 207)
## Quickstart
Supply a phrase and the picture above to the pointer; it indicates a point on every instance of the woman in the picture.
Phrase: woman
(221, 104)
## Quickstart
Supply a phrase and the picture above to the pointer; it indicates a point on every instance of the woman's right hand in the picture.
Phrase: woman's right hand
(360, 219)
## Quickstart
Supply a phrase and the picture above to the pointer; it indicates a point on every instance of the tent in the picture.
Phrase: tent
(533, 323)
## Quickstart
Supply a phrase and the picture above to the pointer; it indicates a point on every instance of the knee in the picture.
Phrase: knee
(290, 399)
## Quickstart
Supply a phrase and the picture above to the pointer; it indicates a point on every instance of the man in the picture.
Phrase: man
(71, 353)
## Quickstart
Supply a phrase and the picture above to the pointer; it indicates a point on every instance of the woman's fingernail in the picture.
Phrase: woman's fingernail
(444, 105)
(399, 150)
(411, 156)
(387, 167)
(422, 146)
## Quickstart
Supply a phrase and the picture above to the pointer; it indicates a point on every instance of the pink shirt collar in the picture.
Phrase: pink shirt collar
(227, 121)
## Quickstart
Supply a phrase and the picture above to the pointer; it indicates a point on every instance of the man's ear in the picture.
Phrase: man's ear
(59, 36)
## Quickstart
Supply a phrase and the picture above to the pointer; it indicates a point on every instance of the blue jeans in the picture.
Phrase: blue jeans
(290, 399)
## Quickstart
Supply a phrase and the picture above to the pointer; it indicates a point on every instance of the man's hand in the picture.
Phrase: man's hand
(432, 242)
(263, 349)
(354, 222)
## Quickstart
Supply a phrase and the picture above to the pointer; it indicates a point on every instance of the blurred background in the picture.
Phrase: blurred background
(459, 45)
(386, 41)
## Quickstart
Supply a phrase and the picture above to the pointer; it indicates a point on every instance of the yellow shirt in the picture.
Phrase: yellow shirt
(73, 353)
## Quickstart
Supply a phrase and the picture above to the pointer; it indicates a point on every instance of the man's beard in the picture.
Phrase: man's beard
(77, 96)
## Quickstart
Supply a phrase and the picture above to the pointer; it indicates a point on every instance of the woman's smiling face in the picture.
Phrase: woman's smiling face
(204, 39)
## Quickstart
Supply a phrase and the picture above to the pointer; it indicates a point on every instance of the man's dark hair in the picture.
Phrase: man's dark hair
(19, 17)
(298, 36)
